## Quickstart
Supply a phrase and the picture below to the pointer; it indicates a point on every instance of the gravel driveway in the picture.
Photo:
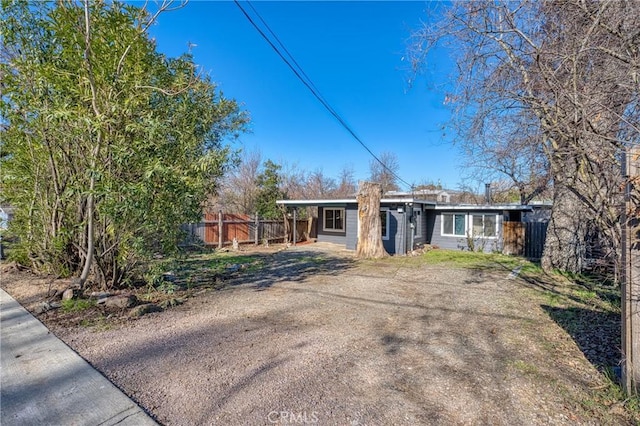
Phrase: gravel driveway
(316, 337)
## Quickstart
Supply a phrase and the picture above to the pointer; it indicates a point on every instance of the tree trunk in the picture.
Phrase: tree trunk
(369, 223)
(564, 246)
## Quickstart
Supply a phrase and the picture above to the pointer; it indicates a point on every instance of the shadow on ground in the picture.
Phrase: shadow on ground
(596, 333)
(291, 265)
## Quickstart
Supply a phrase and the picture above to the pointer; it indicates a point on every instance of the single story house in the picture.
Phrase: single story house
(408, 222)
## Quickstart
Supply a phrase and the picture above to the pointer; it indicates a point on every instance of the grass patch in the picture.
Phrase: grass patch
(524, 367)
(610, 397)
(172, 274)
(100, 323)
(478, 260)
(77, 305)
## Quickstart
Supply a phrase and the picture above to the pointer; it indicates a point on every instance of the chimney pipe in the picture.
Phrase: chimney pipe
(487, 193)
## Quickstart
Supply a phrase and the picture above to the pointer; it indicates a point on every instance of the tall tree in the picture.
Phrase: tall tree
(510, 151)
(385, 171)
(346, 183)
(319, 186)
(239, 188)
(108, 146)
(269, 190)
(571, 65)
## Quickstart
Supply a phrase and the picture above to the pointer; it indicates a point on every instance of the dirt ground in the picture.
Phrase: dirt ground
(316, 337)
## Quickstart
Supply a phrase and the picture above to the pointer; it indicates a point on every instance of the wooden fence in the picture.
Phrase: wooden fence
(524, 238)
(246, 229)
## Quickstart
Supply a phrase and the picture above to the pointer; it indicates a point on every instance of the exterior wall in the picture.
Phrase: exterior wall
(461, 243)
(421, 225)
(539, 214)
(394, 245)
(335, 239)
(329, 236)
(351, 213)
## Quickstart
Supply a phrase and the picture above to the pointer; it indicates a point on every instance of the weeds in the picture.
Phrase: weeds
(77, 305)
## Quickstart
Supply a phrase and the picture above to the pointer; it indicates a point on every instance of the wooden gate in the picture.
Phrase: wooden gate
(524, 239)
(513, 238)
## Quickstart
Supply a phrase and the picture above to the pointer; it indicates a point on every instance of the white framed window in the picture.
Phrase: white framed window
(484, 225)
(384, 223)
(454, 224)
(333, 219)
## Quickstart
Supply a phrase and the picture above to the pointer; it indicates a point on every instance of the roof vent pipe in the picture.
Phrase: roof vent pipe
(487, 193)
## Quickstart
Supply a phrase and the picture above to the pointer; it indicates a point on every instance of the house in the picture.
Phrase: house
(408, 222)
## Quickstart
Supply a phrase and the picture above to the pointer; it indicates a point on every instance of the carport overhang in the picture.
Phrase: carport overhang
(344, 201)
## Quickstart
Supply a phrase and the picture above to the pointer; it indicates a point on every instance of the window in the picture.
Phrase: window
(484, 225)
(384, 220)
(454, 224)
(333, 220)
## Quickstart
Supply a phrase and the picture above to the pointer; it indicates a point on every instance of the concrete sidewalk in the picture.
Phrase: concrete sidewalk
(44, 382)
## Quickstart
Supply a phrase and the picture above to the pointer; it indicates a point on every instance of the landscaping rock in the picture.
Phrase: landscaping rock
(99, 295)
(46, 306)
(171, 303)
(147, 308)
(119, 302)
(69, 294)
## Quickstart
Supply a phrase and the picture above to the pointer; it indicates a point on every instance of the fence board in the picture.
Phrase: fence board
(243, 228)
(524, 238)
(513, 235)
(535, 236)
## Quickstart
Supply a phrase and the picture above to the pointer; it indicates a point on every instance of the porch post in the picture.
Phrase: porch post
(294, 231)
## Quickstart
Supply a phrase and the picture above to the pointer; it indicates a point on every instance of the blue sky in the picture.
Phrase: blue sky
(353, 52)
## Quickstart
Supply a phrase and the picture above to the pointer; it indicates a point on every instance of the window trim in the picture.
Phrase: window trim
(324, 220)
(495, 216)
(386, 210)
(454, 224)
(468, 225)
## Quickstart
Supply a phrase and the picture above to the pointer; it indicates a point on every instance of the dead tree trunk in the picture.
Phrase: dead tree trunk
(369, 223)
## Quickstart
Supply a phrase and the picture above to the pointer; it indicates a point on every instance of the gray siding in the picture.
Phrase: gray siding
(391, 245)
(335, 239)
(351, 213)
(330, 236)
(460, 243)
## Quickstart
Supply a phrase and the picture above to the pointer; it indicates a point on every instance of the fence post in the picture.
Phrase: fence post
(630, 274)
(257, 233)
(220, 230)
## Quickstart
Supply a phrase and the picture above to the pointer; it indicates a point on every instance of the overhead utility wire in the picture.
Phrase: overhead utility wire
(286, 51)
(309, 85)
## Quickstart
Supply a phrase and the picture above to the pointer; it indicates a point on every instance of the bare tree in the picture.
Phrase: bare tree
(573, 67)
(239, 190)
(385, 171)
(346, 183)
(319, 186)
(509, 154)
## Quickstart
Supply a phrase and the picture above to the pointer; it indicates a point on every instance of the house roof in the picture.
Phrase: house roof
(308, 203)
(425, 203)
(478, 207)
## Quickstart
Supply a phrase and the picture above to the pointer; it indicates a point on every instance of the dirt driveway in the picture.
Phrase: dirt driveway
(318, 338)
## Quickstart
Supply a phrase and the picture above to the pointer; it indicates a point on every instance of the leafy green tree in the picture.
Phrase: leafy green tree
(107, 145)
(269, 181)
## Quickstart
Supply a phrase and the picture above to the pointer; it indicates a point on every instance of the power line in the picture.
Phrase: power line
(299, 73)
